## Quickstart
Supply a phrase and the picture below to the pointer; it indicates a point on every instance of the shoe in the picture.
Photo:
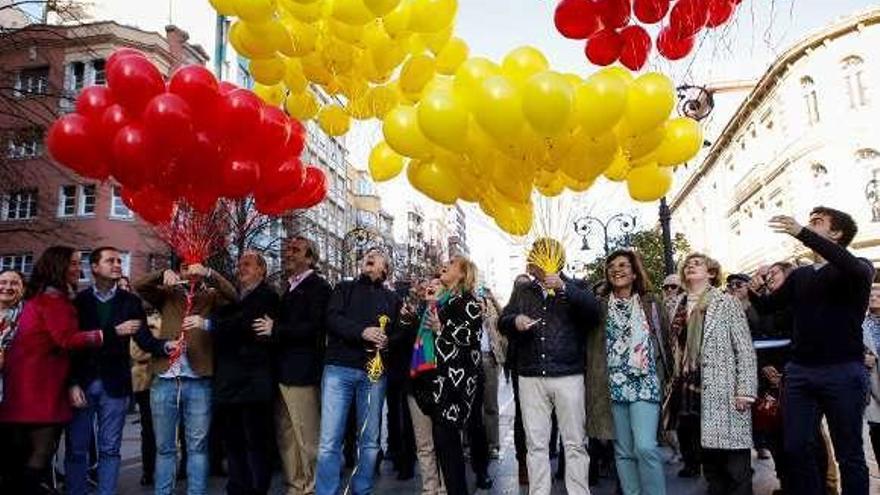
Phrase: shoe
(484, 482)
(146, 480)
(523, 474)
(689, 472)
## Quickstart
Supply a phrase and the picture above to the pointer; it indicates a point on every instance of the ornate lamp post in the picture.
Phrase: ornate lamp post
(872, 194)
(584, 227)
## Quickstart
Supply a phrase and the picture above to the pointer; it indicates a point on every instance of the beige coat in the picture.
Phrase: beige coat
(497, 342)
(141, 375)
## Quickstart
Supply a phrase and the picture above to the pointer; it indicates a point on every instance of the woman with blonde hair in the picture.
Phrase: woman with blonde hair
(457, 325)
(714, 380)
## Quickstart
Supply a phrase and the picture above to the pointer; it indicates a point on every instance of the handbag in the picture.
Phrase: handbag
(767, 416)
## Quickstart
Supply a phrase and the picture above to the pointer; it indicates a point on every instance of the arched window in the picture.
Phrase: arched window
(854, 80)
(808, 88)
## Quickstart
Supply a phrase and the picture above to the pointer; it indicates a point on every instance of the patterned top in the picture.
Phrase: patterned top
(459, 361)
(630, 381)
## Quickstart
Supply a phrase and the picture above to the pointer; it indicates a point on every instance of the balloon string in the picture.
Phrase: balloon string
(181, 340)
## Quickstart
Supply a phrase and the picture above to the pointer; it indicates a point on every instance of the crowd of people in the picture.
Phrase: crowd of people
(784, 361)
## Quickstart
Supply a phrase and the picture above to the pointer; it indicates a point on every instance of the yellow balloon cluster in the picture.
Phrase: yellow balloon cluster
(464, 128)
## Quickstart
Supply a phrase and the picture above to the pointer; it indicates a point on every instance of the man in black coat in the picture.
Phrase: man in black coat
(299, 336)
(361, 320)
(101, 377)
(546, 320)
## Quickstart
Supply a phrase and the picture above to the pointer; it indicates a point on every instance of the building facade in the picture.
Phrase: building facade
(805, 136)
(42, 68)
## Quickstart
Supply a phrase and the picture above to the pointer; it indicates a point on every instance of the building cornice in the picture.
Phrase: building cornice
(765, 86)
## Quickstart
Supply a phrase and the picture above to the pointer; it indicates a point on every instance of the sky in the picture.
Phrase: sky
(760, 31)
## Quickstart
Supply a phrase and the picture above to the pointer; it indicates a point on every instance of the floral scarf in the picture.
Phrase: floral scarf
(8, 328)
(424, 357)
(628, 315)
(871, 327)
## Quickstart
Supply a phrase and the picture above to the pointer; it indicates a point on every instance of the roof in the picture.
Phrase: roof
(766, 84)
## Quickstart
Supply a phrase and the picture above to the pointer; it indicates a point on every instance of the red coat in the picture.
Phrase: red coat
(37, 366)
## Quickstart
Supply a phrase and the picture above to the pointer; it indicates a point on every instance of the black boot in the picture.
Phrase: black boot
(484, 482)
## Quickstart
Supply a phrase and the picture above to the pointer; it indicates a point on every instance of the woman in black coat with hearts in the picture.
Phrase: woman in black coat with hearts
(458, 387)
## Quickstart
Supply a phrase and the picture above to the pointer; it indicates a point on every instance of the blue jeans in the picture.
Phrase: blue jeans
(639, 464)
(169, 399)
(837, 391)
(110, 413)
(339, 387)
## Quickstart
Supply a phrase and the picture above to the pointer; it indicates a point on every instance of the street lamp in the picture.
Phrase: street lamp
(872, 194)
(584, 226)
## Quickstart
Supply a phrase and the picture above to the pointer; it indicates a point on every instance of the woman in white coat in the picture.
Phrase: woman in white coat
(871, 327)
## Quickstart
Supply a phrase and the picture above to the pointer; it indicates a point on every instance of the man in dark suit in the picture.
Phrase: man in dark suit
(101, 377)
(300, 334)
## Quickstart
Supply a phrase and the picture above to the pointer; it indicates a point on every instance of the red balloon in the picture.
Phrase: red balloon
(671, 46)
(197, 85)
(603, 48)
(282, 179)
(114, 118)
(614, 13)
(168, 118)
(134, 158)
(240, 112)
(275, 131)
(297, 142)
(266, 206)
(720, 12)
(636, 45)
(200, 159)
(225, 87)
(92, 101)
(153, 205)
(313, 191)
(577, 19)
(134, 81)
(121, 53)
(650, 11)
(71, 142)
(240, 177)
(202, 199)
(688, 17)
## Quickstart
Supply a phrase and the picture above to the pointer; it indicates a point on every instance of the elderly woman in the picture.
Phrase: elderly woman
(36, 405)
(626, 364)
(713, 379)
(457, 325)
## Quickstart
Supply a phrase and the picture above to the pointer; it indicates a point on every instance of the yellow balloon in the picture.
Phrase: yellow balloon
(384, 163)
(224, 7)
(498, 108)
(649, 183)
(303, 38)
(600, 102)
(470, 76)
(381, 99)
(352, 12)
(301, 106)
(548, 99)
(416, 73)
(333, 120)
(576, 185)
(306, 12)
(381, 7)
(267, 71)
(443, 118)
(396, 22)
(271, 95)
(314, 69)
(359, 108)
(293, 76)
(452, 56)
(512, 181)
(337, 56)
(437, 41)
(254, 10)
(590, 157)
(402, 133)
(649, 100)
(619, 169)
(619, 72)
(250, 41)
(514, 218)
(430, 16)
(415, 45)
(524, 62)
(683, 141)
(349, 33)
(551, 185)
(642, 144)
(435, 180)
(387, 56)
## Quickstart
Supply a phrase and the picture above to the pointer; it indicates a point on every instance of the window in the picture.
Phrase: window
(20, 205)
(78, 76)
(854, 79)
(811, 100)
(118, 209)
(67, 201)
(87, 200)
(24, 144)
(33, 81)
(21, 262)
(100, 75)
(85, 269)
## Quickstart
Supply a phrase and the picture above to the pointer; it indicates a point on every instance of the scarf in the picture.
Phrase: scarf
(871, 327)
(629, 316)
(9, 325)
(424, 357)
(695, 321)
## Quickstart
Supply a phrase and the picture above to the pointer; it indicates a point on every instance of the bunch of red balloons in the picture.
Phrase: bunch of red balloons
(192, 139)
(611, 34)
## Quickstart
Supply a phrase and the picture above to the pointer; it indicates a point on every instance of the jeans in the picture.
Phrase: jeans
(110, 415)
(639, 464)
(339, 387)
(170, 400)
(838, 391)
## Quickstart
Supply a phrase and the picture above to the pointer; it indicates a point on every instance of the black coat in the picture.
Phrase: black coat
(555, 346)
(300, 333)
(459, 360)
(354, 306)
(111, 362)
(242, 360)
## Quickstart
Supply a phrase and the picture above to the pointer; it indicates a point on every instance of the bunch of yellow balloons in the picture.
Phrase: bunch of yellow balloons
(495, 133)
(348, 48)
